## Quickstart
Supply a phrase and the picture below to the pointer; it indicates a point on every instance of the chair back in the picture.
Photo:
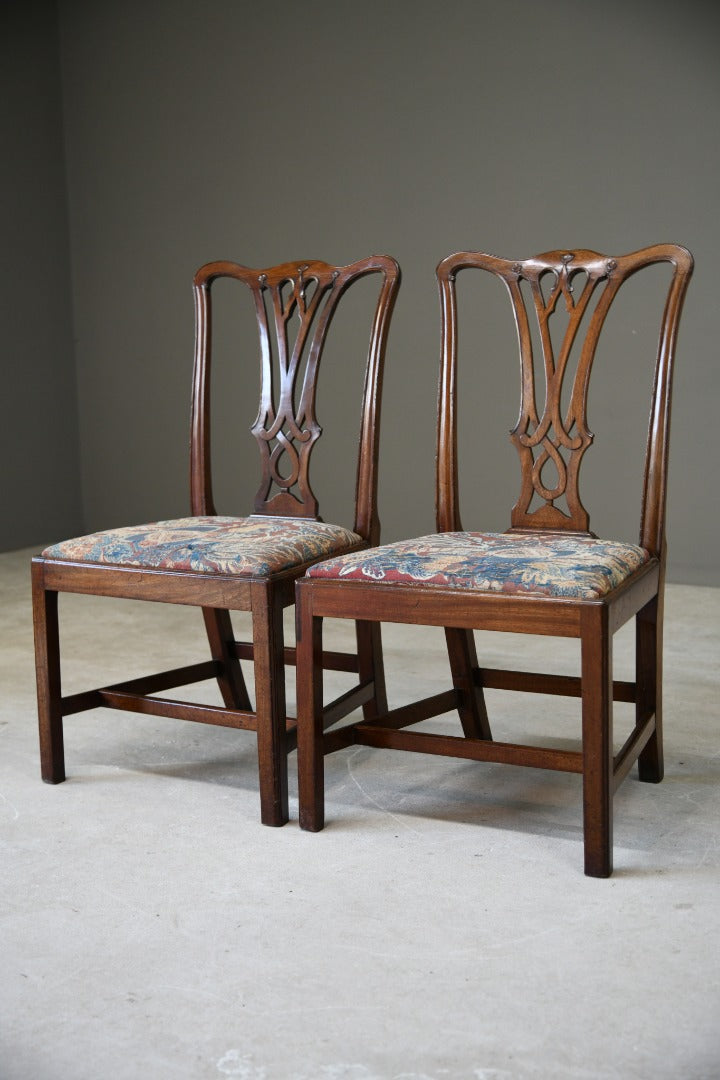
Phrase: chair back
(552, 433)
(294, 306)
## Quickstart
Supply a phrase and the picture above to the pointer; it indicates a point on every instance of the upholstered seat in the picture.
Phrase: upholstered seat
(537, 564)
(250, 546)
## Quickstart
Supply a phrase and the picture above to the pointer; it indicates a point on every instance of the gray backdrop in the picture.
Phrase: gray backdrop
(143, 139)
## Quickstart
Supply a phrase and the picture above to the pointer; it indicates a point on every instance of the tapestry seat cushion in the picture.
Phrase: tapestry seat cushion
(536, 564)
(251, 547)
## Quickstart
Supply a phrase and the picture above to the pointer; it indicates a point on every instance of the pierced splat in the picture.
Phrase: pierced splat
(294, 306)
(554, 440)
(286, 427)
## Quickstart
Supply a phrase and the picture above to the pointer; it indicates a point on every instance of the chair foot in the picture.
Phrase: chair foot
(651, 768)
(274, 816)
(598, 860)
(54, 779)
(309, 823)
(272, 762)
(311, 779)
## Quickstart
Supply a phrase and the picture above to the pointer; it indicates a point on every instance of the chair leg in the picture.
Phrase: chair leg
(218, 626)
(47, 669)
(311, 759)
(372, 666)
(648, 678)
(270, 704)
(597, 698)
(471, 700)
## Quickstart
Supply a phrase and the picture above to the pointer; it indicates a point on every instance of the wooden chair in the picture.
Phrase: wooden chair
(225, 563)
(547, 575)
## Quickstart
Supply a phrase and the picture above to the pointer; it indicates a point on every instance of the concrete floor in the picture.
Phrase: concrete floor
(440, 928)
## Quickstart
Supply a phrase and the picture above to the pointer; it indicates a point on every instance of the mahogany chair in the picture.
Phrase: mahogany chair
(227, 563)
(548, 574)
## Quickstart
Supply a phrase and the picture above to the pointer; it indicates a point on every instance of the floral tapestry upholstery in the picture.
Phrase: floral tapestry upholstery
(537, 564)
(251, 547)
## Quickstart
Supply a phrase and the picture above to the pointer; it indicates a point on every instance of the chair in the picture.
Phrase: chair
(547, 575)
(227, 563)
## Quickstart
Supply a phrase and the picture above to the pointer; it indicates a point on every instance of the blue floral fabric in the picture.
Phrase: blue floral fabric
(252, 546)
(539, 564)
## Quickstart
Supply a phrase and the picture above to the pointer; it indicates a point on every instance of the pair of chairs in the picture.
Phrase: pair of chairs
(548, 574)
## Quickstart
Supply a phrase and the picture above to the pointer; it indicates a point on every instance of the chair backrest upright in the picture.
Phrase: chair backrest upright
(554, 432)
(294, 305)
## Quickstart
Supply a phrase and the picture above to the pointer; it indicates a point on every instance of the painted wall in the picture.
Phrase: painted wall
(333, 130)
(40, 475)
